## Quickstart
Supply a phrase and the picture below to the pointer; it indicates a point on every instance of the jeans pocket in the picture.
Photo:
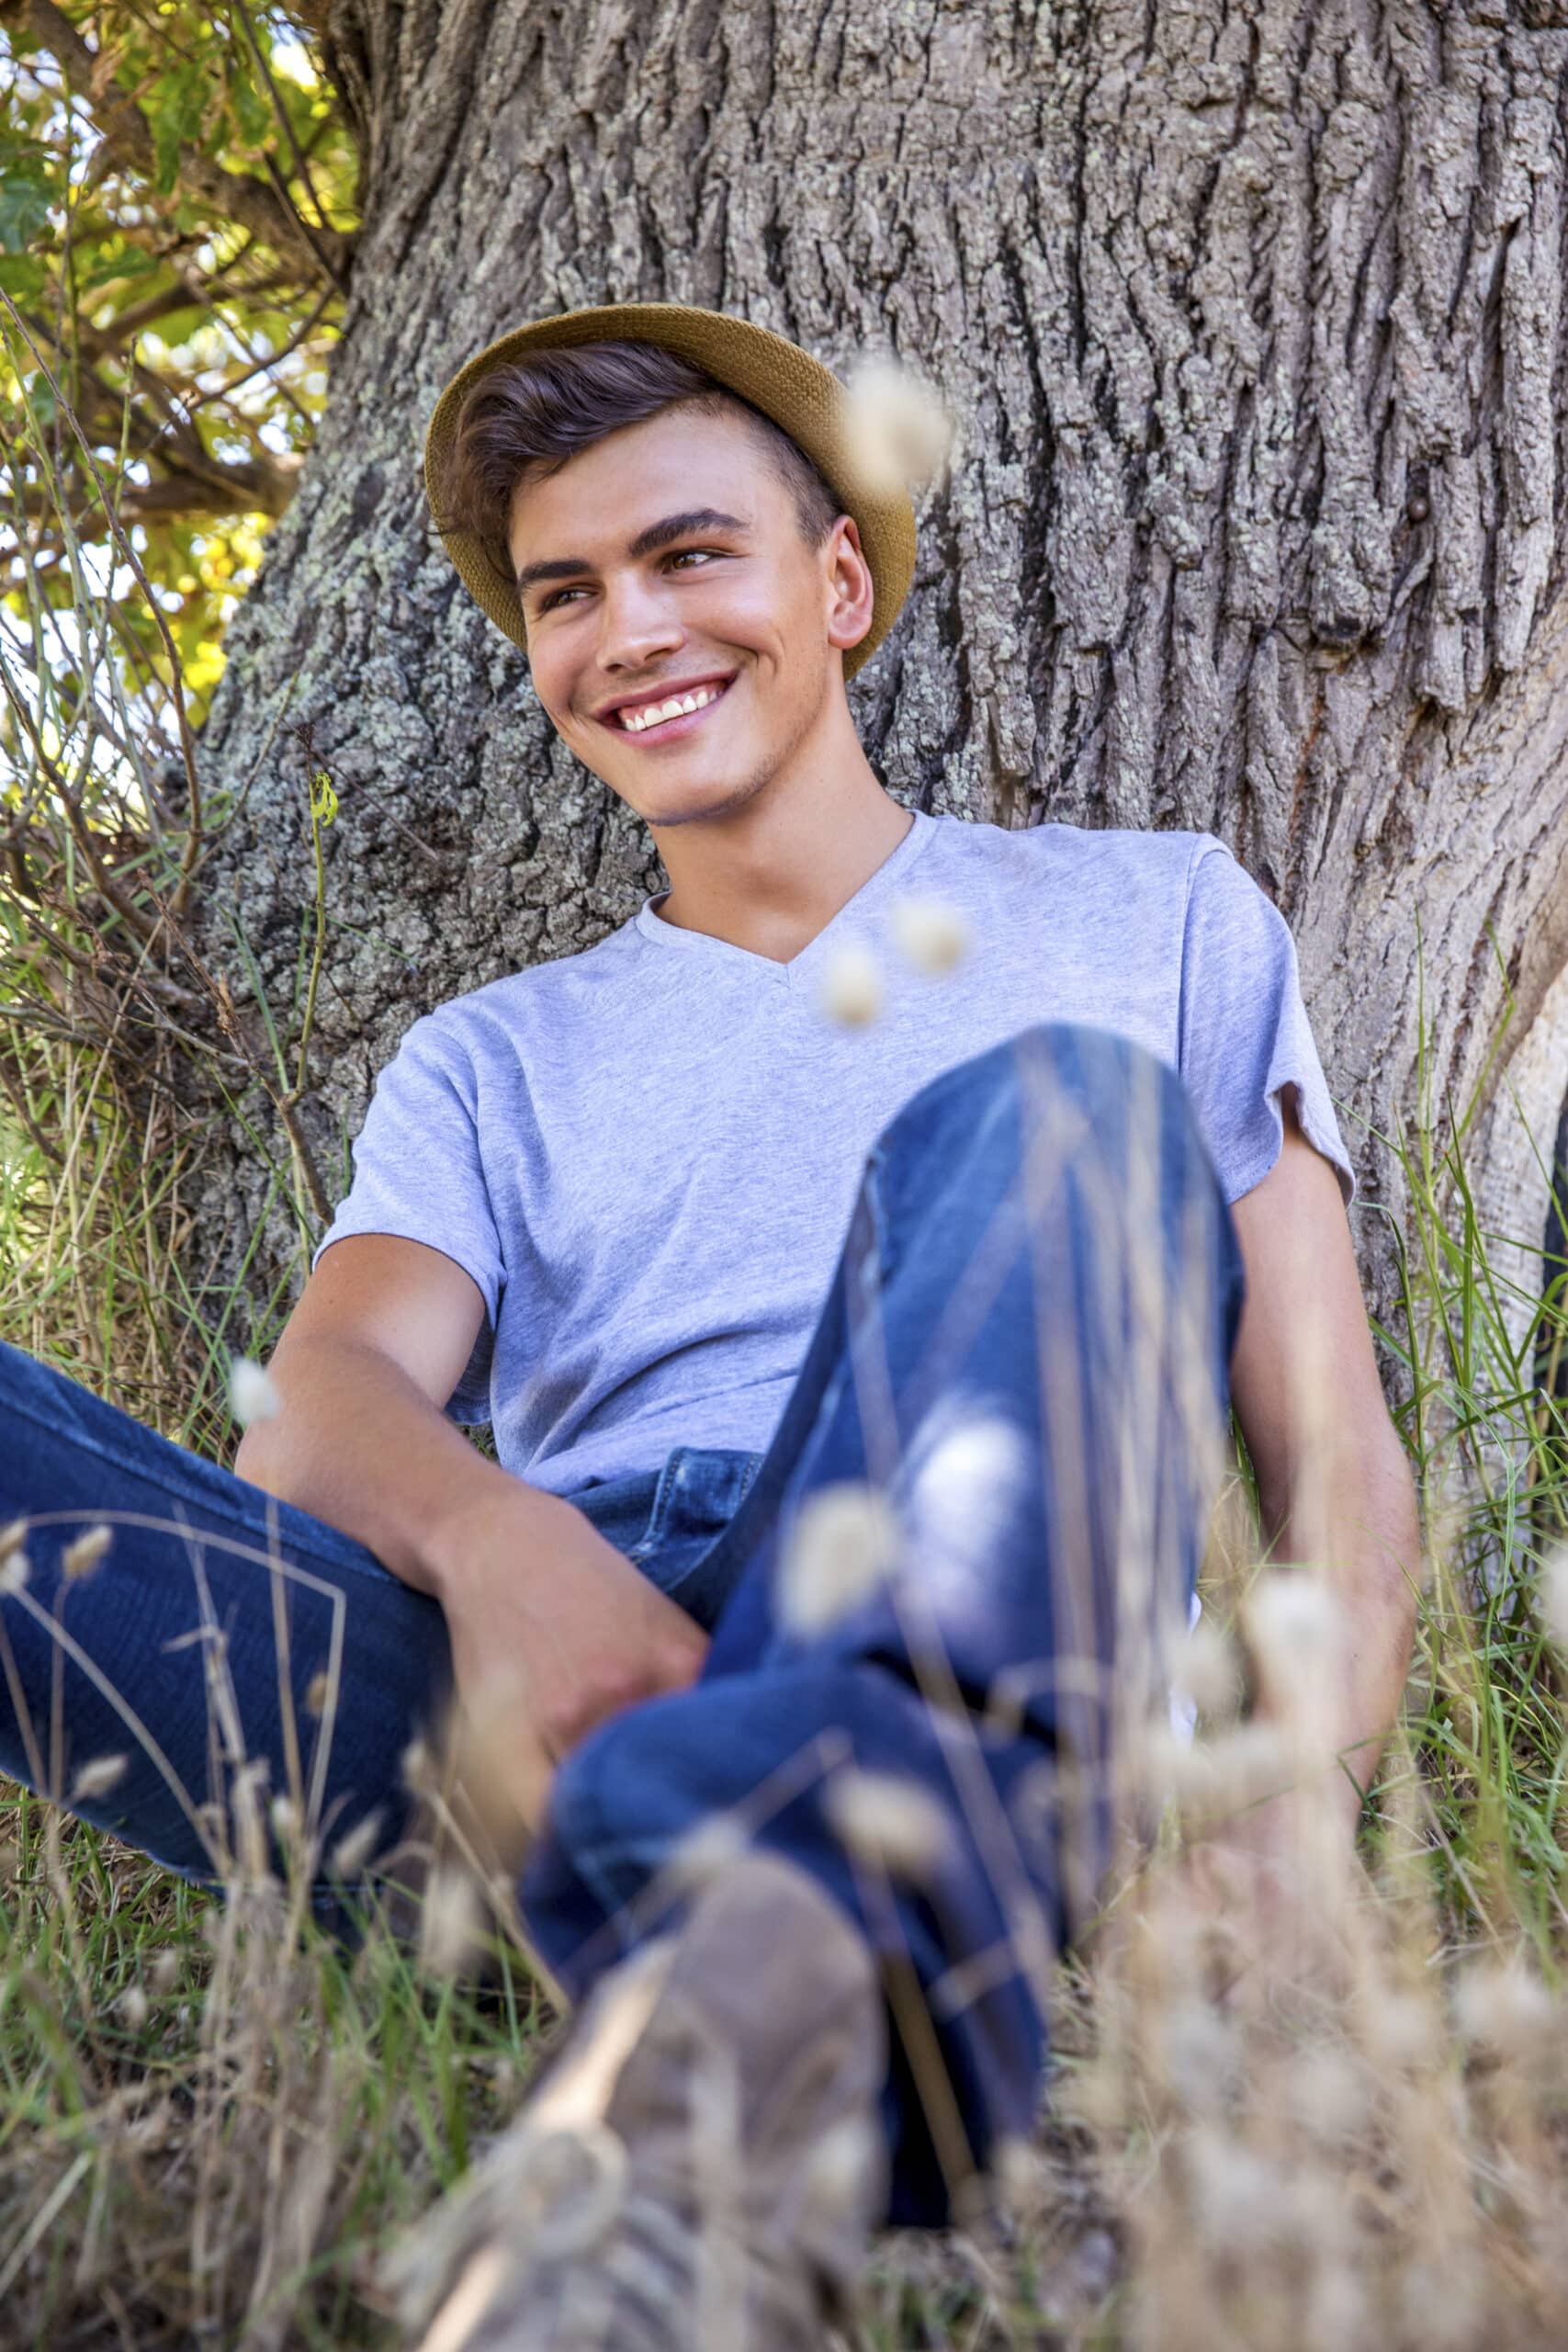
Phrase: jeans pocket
(699, 1490)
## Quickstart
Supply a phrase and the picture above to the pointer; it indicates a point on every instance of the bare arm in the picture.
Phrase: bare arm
(550, 1626)
(365, 1366)
(1334, 1483)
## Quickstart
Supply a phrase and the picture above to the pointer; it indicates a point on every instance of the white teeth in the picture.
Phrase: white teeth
(678, 706)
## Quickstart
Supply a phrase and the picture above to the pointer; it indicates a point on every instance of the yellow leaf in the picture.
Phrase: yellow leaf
(324, 799)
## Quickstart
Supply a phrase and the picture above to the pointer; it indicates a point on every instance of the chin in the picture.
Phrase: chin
(687, 800)
(681, 803)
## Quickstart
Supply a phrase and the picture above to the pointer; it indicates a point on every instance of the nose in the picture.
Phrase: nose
(637, 620)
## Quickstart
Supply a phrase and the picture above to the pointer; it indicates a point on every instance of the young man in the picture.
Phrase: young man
(856, 1320)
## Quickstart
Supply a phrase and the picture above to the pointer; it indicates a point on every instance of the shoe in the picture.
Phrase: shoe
(701, 2166)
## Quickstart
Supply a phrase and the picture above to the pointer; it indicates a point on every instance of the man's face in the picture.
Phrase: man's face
(667, 561)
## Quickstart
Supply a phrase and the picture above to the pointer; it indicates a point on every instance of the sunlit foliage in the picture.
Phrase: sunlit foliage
(177, 235)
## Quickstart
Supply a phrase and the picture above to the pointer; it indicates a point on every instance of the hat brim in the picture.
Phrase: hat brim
(799, 394)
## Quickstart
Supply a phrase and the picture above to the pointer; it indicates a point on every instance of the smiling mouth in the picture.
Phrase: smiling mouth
(657, 721)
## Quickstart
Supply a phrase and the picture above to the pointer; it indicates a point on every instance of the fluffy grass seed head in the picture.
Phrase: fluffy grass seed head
(288, 1821)
(1292, 1617)
(965, 1478)
(1212, 1779)
(1553, 1594)
(844, 2160)
(134, 2007)
(892, 1824)
(851, 986)
(842, 1544)
(97, 1777)
(1505, 2006)
(246, 1795)
(1440, 2304)
(1295, 1631)
(354, 1847)
(1199, 2053)
(932, 937)
(1235, 2191)
(1019, 2173)
(1329, 2095)
(1208, 1671)
(14, 1569)
(450, 1920)
(900, 431)
(252, 1395)
(81, 1558)
(704, 1853)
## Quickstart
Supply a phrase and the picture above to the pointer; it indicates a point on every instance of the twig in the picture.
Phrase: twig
(300, 165)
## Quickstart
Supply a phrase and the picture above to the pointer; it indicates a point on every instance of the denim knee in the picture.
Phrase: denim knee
(1059, 1113)
(1117, 1098)
(1097, 1068)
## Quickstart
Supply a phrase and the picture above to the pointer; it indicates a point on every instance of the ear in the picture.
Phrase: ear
(850, 595)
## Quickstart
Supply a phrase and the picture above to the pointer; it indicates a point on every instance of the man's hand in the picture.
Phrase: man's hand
(552, 1631)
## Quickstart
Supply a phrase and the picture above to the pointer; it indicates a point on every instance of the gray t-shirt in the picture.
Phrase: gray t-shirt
(646, 1155)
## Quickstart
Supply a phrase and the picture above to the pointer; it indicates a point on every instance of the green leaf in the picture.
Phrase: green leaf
(176, 113)
(23, 278)
(253, 110)
(26, 201)
(109, 260)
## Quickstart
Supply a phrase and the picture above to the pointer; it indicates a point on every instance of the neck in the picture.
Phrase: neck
(773, 873)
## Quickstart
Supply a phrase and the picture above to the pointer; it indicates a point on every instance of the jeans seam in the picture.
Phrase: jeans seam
(658, 1509)
(92, 1444)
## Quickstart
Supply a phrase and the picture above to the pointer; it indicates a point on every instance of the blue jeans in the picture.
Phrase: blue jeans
(1024, 1348)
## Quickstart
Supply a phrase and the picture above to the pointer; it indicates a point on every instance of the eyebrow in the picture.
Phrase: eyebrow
(658, 535)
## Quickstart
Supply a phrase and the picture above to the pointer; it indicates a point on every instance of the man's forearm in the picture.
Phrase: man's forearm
(1371, 1563)
(360, 1445)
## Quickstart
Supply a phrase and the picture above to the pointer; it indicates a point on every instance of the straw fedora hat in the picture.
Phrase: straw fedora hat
(806, 398)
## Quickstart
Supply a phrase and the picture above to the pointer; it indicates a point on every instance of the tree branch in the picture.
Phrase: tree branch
(301, 164)
(174, 494)
(262, 209)
(262, 483)
(313, 15)
(188, 292)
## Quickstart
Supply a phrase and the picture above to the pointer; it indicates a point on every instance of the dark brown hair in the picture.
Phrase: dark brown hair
(538, 412)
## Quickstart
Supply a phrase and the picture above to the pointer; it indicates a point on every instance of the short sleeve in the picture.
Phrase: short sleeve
(418, 1175)
(1245, 1035)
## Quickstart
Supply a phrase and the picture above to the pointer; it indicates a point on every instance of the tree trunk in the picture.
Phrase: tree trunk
(1252, 318)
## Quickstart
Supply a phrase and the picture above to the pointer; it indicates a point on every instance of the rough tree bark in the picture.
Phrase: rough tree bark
(1252, 314)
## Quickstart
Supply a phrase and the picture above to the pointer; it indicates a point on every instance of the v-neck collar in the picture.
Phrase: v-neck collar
(866, 900)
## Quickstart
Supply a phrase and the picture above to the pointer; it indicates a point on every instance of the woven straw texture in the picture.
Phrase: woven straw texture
(785, 382)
